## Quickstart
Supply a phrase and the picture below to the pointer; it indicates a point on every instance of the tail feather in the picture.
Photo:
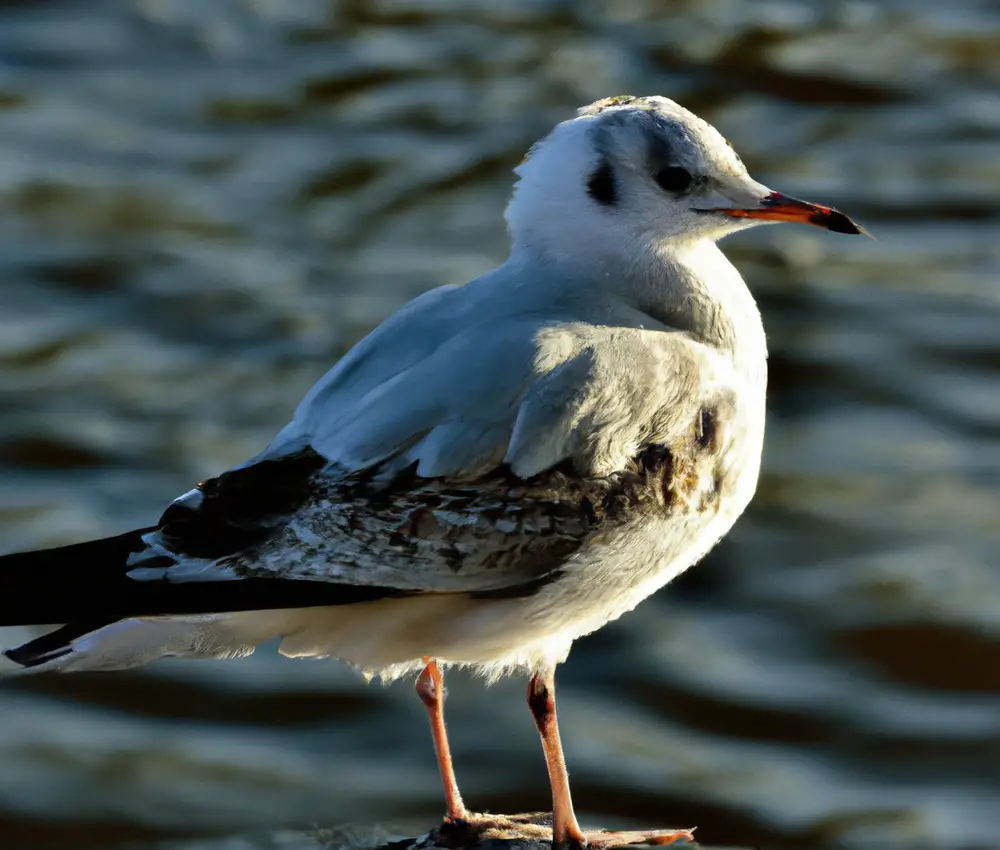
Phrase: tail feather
(133, 642)
(114, 619)
(53, 645)
(87, 587)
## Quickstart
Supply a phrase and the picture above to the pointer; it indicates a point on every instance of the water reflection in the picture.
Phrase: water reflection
(205, 204)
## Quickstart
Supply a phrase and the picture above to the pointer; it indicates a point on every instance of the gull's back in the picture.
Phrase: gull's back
(503, 370)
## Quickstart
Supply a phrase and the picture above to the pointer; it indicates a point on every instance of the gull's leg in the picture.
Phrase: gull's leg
(430, 689)
(542, 702)
(566, 831)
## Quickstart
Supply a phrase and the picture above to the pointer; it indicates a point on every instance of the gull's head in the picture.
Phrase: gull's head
(643, 172)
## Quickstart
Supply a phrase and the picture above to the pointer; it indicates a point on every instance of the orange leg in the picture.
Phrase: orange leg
(542, 702)
(430, 689)
(566, 831)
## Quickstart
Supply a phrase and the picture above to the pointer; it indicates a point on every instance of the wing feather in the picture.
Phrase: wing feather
(437, 457)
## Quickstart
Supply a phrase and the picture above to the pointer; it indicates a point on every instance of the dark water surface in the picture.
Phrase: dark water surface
(203, 204)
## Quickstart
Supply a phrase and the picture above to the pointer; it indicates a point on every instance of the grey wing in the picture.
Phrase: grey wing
(437, 383)
(478, 466)
(290, 521)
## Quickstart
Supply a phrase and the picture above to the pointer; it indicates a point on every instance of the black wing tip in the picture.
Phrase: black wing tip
(60, 584)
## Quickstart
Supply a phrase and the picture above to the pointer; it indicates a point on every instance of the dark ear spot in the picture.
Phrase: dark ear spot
(601, 185)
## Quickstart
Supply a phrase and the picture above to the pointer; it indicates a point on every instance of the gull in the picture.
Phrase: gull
(496, 470)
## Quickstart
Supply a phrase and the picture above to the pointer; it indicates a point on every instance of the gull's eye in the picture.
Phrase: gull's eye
(673, 178)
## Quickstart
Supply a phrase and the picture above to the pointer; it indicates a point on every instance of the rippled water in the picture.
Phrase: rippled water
(204, 204)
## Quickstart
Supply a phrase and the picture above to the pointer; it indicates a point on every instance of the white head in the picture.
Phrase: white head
(641, 173)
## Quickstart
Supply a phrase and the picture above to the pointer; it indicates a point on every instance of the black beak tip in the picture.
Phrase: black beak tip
(836, 222)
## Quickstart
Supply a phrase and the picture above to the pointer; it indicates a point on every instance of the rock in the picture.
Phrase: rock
(480, 832)
(522, 832)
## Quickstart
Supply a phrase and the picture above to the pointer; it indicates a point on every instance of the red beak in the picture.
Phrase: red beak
(778, 207)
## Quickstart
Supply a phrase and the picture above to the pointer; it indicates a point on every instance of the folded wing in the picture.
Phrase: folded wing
(435, 458)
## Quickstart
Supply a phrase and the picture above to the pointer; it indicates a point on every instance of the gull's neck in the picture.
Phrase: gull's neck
(694, 287)
(690, 286)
